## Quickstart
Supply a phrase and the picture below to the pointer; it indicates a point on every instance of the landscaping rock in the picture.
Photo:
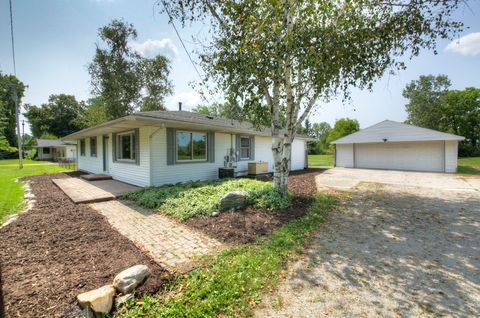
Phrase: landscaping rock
(216, 213)
(99, 300)
(120, 300)
(233, 200)
(129, 279)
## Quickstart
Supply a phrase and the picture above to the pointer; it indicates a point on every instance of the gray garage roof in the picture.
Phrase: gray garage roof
(389, 130)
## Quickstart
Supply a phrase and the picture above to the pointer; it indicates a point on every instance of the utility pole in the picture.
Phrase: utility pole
(19, 137)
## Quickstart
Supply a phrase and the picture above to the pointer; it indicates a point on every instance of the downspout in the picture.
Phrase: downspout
(151, 154)
(444, 157)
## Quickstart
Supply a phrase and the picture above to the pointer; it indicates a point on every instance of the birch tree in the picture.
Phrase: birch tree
(293, 55)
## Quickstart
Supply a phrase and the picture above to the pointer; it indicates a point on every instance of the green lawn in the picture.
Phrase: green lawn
(11, 192)
(469, 165)
(320, 160)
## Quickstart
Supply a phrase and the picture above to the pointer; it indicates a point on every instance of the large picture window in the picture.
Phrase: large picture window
(126, 146)
(46, 151)
(245, 148)
(191, 146)
(93, 146)
(82, 147)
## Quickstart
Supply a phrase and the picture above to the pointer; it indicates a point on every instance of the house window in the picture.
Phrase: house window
(82, 147)
(245, 147)
(46, 151)
(191, 146)
(93, 146)
(126, 146)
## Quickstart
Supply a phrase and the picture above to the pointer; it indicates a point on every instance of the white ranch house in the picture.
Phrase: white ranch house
(398, 146)
(54, 149)
(162, 147)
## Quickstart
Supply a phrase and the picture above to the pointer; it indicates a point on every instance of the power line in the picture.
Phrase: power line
(180, 38)
(13, 41)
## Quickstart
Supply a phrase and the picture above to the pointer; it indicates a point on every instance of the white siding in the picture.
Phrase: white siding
(89, 163)
(451, 154)
(164, 174)
(130, 172)
(298, 155)
(263, 152)
(415, 156)
(344, 155)
(71, 151)
(42, 156)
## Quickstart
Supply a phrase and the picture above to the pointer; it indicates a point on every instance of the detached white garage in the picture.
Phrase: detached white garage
(398, 146)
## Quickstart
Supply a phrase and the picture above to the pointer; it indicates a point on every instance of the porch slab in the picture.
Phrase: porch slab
(117, 188)
(80, 191)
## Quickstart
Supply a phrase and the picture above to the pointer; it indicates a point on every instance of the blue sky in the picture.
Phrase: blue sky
(55, 41)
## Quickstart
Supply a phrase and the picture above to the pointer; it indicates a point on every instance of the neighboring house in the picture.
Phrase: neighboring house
(397, 146)
(54, 149)
(161, 147)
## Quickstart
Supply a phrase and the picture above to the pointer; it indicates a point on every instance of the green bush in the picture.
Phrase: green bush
(31, 154)
(185, 200)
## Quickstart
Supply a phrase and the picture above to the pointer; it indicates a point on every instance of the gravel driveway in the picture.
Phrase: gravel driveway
(391, 251)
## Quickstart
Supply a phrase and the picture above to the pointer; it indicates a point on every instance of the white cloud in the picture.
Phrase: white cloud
(189, 100)
(466, 45)
(150, 48)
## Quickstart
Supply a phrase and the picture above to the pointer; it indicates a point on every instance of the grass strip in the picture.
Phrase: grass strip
(231, 282)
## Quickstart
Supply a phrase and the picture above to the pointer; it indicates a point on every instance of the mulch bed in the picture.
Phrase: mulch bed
(58, 250)
(248, 225)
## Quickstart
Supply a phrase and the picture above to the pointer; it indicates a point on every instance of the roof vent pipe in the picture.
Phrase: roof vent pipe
(179, 105)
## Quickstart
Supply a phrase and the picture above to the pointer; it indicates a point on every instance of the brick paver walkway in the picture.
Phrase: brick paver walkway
(169, 243)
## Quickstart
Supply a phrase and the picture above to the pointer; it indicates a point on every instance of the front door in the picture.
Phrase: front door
(105, 153)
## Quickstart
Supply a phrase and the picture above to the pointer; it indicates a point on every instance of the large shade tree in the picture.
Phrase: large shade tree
(124, 80)
(293, 54)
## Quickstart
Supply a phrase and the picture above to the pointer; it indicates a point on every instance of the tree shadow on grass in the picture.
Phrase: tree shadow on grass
(406, 253)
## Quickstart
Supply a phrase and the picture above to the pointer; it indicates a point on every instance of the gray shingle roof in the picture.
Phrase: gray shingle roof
(389, 130)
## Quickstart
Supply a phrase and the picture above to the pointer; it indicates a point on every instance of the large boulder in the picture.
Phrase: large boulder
(233, 201)
(99, 300)
(129, 279)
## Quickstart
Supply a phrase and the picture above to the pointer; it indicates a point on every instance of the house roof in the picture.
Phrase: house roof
(175, 119)
(46, 143)
(389, 130)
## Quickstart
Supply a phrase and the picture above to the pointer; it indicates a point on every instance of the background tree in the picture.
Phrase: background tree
(460, 115)
(126, 81)
(432, 105)
(224, 110)
(343, 127)
(61, 116)
(7, 107)
(320, 131)
(424, 100)
(94, 112)
(292, 54)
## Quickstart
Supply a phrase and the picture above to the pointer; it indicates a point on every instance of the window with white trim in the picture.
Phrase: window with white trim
(245, 147)
(191, 146)
(126, 146)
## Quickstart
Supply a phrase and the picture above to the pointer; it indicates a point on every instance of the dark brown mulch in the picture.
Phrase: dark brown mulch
(58, 250)
(248, 225)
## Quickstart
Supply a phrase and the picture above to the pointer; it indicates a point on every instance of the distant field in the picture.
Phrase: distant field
(11, 192)
(320, 160)
(469, 165)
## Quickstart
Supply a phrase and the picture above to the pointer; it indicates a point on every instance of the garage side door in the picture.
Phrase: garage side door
(416, 156)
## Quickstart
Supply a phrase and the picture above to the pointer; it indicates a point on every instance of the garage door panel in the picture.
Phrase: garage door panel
(416, 156)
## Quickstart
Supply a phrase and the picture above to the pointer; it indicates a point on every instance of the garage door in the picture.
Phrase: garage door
(416, 156)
